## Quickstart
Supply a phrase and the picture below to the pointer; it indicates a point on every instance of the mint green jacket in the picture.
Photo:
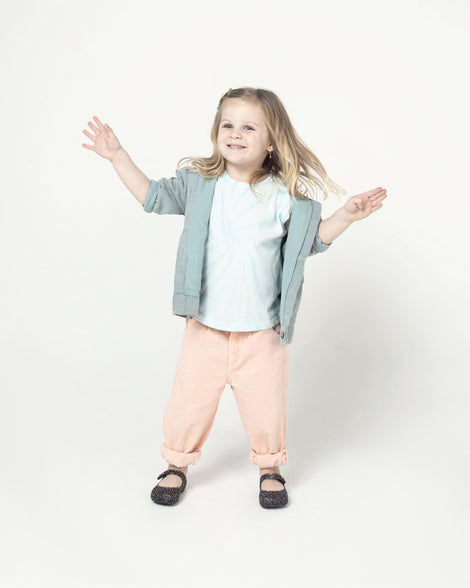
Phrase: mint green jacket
(191, 195)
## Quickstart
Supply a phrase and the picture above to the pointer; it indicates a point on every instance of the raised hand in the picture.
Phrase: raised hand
(362, 205)
(105, 142)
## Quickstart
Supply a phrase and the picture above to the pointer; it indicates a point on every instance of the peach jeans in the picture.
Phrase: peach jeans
(255, 365)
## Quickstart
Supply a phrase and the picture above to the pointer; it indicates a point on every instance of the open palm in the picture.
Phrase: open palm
(362, 205)
(105, 142)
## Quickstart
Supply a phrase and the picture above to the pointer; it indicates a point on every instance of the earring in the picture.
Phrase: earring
(270, 155)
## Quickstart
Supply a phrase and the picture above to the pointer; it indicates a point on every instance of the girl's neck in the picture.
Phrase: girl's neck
(237, 174)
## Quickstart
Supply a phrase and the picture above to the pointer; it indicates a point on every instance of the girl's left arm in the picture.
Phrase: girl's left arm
(356, 208)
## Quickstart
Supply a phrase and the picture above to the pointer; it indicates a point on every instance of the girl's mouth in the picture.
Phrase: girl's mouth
(232, 146)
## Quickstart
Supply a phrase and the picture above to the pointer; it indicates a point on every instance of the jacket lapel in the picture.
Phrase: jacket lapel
(197, 233)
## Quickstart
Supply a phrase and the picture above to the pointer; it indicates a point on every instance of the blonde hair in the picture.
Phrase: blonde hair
(292, 162)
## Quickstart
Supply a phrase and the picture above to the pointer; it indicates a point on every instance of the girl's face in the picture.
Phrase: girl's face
(243, 138)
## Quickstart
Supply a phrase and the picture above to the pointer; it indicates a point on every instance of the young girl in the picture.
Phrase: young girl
(249, 227)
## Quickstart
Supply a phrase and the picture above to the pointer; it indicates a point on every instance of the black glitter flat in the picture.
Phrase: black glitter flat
(168, 496)
(272, 498)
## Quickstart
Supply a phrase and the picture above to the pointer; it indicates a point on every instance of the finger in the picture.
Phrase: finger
(98, 122)
(93, 127)
(89, 135)
(373, 192)
(92, 147)
(379, 197)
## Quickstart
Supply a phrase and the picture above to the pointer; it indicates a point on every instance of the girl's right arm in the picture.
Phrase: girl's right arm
(106, 144)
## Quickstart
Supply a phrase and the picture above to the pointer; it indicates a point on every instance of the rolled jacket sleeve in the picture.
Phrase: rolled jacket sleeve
(167, 195)
(318, 245)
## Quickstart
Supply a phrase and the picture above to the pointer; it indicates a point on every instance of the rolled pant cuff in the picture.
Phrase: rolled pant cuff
(268, 460)
(179, 458)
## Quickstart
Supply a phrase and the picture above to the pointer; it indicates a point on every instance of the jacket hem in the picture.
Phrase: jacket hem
(184, 304)
(286, 334)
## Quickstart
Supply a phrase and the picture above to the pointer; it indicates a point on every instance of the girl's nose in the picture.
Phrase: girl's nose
(235, 133)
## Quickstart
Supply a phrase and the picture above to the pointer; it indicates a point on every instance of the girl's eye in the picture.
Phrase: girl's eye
(229, 126)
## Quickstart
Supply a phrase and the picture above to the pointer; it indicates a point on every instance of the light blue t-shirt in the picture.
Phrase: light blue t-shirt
(241, 277)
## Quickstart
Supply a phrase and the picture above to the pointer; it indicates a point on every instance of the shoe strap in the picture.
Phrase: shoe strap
(177, 473)
(273, 476)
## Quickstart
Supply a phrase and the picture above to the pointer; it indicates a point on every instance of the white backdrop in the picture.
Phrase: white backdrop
(378, 440)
